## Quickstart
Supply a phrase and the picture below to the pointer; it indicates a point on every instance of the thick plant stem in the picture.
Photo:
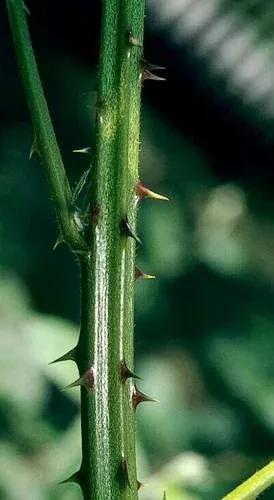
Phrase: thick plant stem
(108, 468)
(45, 143)
(104, 353)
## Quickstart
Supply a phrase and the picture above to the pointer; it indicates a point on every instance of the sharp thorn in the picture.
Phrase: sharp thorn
(126, 230)
(143, 192)
(126, 372)
(164, 497)
(68, 356)
(147, 75)
(150, 66)
(81, 253)
(26, 9)
(34, 149)
(59, 241)
(139, 485)
(83, 150)
(123, 473)
(74, 478)
(86, 380)
(140, 274)
(139, 397)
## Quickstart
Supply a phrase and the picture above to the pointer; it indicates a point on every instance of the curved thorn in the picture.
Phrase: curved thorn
(140, 274)
(86, 380)
(68, 356)
(139, 397)
(126, 372)
(127, 231)
(59, 241)
(142, 192)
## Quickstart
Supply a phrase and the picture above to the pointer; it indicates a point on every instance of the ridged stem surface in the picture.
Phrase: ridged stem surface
(106, 252)
(106, 339)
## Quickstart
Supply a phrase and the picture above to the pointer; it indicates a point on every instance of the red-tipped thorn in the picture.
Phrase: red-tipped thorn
(68, 356)
(147, 75)
(74, 478)
(126, 372)
(126, 230)
(139, 397)
(87, 380)
(140, 274)
(123, 473)
(143, 192)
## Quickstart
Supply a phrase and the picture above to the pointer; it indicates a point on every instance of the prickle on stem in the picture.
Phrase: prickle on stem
(139, 397)
(139, 485)
(123, 473)
(143, 192)
(126, 372)
(140, 274)
(59, 241)
(127, 231)
(83, 150)
(68, 356)
(74, 478)
(146, 71)
(34, 149)
(86, 380)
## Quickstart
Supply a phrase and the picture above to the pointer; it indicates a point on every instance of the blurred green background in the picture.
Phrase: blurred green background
(205, 327)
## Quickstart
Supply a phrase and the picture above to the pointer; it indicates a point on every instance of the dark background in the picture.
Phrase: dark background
(204, 328)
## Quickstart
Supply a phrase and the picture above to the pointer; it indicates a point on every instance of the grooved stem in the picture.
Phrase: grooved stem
(106, 338)
(108, 470)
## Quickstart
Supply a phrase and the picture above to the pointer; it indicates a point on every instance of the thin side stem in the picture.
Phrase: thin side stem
(108, 468)
(254, 485)
(45, 141)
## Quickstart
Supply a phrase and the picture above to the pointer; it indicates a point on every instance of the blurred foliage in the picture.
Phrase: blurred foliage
(204, 327)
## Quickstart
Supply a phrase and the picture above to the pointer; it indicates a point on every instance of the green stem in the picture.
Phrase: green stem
(108, 468)
(255, 485)
(45, 139)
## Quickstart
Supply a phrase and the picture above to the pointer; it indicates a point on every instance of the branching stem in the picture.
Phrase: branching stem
(104, 353)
